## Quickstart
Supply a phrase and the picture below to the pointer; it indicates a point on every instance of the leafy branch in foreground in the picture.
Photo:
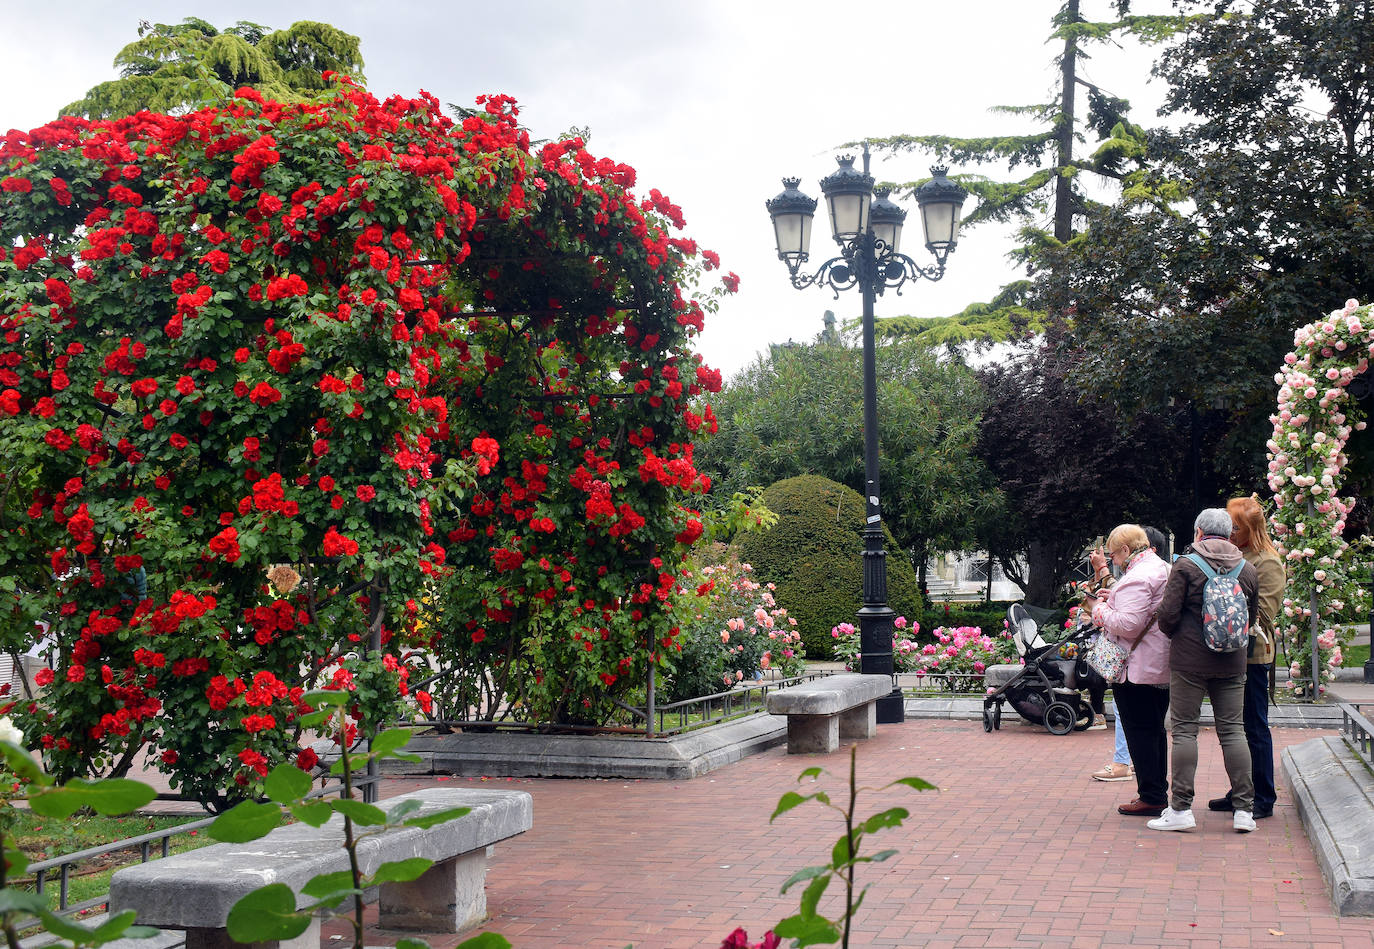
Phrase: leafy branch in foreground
(269, 913)
(808, 927)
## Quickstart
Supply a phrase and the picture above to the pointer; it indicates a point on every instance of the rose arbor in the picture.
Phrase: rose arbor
(1306, 457)
(274, 380)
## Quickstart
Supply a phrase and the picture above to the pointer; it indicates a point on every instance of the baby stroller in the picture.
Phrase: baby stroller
(1047, 689)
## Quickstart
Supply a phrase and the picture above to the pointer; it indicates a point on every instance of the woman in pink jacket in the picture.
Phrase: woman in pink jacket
(1126, 614)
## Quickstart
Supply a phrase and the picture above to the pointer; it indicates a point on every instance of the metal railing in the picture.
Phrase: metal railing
(1358, 732)
(654, 719)
(715, 708)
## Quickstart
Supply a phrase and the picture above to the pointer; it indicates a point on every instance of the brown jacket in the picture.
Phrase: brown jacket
(1272, 580)
(1180, 611)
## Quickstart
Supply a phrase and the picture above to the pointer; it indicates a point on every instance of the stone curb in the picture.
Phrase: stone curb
(516, 755)
(971, 709)
(1334, 792)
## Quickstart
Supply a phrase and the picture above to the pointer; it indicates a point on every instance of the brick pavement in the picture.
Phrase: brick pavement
(1018, 848)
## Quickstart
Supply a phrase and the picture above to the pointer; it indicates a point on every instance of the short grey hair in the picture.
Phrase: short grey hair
(1214, 520)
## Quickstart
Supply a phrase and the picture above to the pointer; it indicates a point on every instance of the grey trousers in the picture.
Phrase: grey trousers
(1228, 709)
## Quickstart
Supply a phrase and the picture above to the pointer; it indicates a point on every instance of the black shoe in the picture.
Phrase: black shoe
(1224, 804)
(1260, 813)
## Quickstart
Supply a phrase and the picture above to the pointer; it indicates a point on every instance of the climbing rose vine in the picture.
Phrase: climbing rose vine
(275, 380)
(1313, 421)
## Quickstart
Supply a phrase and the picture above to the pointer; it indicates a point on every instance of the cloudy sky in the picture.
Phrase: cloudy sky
(712, 101)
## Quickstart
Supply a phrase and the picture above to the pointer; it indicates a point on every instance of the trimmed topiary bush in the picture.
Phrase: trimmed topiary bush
(814, 555)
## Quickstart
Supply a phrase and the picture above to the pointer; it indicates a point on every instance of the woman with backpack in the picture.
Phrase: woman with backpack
(1208, 605)
(1251, 535)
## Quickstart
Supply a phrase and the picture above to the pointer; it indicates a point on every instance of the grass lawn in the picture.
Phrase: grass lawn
(1355, 656)
(43, 838)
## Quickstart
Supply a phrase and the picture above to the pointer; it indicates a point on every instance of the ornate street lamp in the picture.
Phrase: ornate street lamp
(868, 230)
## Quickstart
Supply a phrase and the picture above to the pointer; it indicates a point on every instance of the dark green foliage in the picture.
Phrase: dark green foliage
(814, 555)
(800, 411)
(1047, 166)
(988, 617)
(1252, 217)
(171, 67)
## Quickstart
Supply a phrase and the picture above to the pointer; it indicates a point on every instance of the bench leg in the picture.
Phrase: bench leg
(860, 721)
(219, 939)
(812, 733)
(447, 898)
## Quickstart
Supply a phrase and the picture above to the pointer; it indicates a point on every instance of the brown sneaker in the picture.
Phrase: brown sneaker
(1139, 808)
(1113, 771)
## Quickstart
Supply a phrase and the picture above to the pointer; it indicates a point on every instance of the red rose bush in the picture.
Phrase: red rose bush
(415, 365)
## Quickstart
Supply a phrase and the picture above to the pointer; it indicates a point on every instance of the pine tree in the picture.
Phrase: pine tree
(1051, 162)
(174, 67)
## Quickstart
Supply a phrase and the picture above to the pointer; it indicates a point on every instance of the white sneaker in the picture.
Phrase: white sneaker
(1243, 821)
(1177, 820)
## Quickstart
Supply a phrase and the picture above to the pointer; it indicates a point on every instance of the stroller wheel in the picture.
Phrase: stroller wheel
(987, 720)
(997, 718)
(1060, 718)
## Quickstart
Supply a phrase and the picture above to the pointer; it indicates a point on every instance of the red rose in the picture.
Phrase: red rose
(264, 395)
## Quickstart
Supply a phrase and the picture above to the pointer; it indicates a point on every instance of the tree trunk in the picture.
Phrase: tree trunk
(1042, 575)
(1063, 187)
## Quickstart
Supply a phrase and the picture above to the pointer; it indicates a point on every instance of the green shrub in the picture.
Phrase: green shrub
(986, 616)
(814, 556)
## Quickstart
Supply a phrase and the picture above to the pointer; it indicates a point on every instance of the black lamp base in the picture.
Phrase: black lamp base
(890, 708)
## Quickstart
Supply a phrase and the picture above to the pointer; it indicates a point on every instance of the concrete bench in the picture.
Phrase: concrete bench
(194, 891)
(821, 712)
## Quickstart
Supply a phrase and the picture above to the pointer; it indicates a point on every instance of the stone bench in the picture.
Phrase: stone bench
(821, 712)
(194, 891)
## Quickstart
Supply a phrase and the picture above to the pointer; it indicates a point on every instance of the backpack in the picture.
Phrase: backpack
(1225, 617)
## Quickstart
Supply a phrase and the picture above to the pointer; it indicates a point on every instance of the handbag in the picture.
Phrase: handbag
(1107, 658)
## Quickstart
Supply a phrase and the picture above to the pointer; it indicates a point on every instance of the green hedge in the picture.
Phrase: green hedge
(814, 555)
(987, 616)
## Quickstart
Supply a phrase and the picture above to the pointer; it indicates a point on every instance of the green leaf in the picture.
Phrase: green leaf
(108, 796)
(389, 741)
(399, 813)
(314, 720)
(840, 854)
(287, 783)
(21, 901)
(122, 925)
(811, 896)
(807, 931)
(810, 773)
(915, 783)
(892, 817)
(63, 928)
(22, 764)
(325, 698)
(268, 914)
(248, 820)
(480, 941)
(401, 871)
(314, 813)
(427, 821)
(16, 863)
(805, 873)
(328, 883)
(366, 814)
(788, 801)
(881, 855)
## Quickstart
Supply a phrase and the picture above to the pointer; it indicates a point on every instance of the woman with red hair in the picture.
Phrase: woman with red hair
(1251, 534)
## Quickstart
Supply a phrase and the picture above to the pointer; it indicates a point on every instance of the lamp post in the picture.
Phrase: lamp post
(868, 230)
